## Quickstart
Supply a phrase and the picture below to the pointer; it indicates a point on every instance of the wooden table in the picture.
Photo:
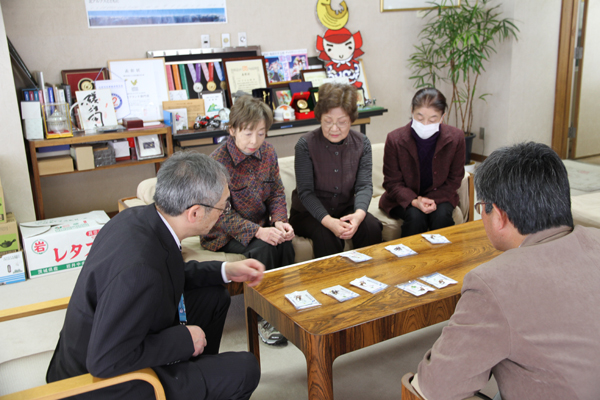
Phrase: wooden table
(333, 329)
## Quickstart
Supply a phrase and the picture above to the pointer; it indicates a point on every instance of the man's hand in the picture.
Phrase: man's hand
(273, 236)
(424, 204)
(286, 229)
(199, 339)
(354, 219)
(338, 227)
(248, 270)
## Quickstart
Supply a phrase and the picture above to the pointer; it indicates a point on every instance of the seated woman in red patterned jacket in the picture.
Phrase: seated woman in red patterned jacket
(257, 225)
(423, 166)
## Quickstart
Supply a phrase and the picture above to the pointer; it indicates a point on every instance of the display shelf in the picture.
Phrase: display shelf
(82, 138)
(279, 128)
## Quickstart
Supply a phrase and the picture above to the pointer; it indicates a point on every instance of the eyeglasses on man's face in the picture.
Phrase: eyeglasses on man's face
(478, 206)
(226, 210)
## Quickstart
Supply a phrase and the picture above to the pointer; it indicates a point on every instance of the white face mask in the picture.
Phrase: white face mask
(425, 131)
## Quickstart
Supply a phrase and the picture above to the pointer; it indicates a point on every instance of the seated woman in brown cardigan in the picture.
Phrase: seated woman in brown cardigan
(423, 166)
(333, 177)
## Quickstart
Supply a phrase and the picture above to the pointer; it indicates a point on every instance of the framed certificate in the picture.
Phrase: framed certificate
(315, 76)
(83, 79)
(243, 75)
(146, 85)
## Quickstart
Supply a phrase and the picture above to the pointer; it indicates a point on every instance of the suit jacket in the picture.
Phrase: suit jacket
(123, 312)
(531, 316)
(401, 177)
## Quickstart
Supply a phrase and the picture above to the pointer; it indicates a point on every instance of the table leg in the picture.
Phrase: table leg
(319, 363)
(252, 330)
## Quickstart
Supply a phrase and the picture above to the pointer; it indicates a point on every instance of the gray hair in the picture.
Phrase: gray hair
(188, 178)
(529, 182)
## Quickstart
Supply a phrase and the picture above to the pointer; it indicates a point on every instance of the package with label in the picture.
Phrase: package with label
(9, 236)
(121, 148)
(12, 268)
(59, 244)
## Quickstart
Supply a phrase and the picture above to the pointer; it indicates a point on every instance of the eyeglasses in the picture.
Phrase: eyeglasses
(224, 211)
(340, 124)
(478, 206)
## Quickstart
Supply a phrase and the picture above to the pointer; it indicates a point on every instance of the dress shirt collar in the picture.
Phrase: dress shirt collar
(236, 154)
(170, 230)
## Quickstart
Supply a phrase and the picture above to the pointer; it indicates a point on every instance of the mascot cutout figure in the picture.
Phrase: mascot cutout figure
(340, 49)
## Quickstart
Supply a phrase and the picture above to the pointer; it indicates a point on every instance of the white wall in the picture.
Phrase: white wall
(521, 76)
(13, 162)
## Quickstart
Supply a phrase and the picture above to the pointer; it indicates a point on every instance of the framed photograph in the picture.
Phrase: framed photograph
(411, 5)
(244, 74)
(146, 85)
(283, 96)
(285, 66)
(83, 79)
(315, 76)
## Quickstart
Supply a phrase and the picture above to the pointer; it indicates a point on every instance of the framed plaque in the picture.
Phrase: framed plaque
(243, 75)
(83, 79)
(315, 76)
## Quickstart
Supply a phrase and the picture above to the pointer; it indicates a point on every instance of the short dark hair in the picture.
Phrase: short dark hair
(188, 178)
(429, 97)
(529, 182)
(334, 95)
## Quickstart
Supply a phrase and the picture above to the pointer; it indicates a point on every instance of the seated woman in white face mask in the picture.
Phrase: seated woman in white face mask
(423, 167)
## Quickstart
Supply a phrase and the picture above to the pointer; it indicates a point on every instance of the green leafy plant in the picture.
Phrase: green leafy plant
(454, 45)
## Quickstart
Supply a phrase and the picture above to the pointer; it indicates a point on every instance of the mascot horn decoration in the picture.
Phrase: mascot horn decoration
(340, 48)
(330, 18)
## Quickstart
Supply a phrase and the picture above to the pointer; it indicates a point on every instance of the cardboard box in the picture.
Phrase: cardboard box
(9, 236)
(55, 165)
(59, 244)
(2, 207)
(12, 268)
(83, 156)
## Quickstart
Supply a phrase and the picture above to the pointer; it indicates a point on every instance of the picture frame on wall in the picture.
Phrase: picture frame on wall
(315, 76)
(411, 5)
(83, 79)
(243, 75)
(283, 96)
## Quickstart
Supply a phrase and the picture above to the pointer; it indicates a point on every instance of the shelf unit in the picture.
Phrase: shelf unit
(81, 138)
(279, 128)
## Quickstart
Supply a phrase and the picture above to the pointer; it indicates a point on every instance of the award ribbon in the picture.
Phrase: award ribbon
(197, 77)
(220, 75)
(208, 74)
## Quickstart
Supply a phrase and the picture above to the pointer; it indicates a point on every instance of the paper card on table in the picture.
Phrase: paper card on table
(302, 299)
(356, 256)
(340, 293)
(438, 280)
(400, 250)
(368, 284)
(178, 95)
(435, 238)
(415, 287)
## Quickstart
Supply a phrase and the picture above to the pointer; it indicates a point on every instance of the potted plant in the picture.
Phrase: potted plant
(454, 45)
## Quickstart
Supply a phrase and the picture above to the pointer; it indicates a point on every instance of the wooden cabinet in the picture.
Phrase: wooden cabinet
(80, 138)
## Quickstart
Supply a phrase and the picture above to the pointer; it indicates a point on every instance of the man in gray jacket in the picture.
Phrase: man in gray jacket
(530, 316)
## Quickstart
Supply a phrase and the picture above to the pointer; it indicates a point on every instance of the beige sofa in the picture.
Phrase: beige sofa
(303, 246)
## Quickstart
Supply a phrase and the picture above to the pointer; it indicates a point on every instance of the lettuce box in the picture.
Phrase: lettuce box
(12, 268)
(59, 244)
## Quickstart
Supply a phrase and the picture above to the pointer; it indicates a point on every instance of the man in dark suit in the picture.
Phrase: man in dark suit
(136, 303)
